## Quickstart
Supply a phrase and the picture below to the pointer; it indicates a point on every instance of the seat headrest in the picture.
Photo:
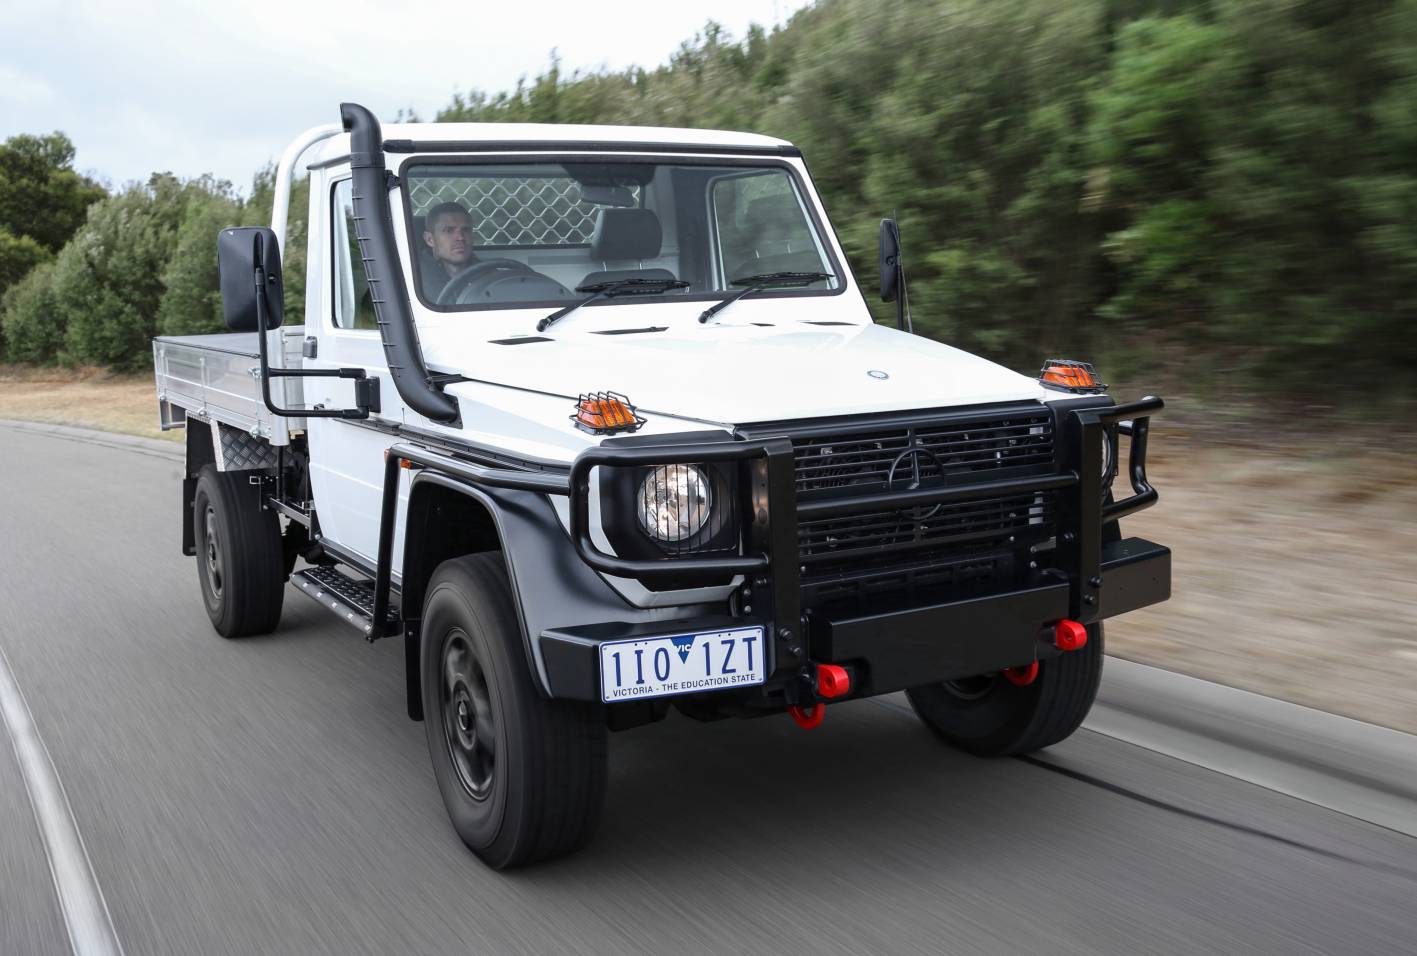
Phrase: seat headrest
(625, 234)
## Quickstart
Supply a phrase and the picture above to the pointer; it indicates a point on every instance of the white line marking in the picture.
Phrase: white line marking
(86, 915)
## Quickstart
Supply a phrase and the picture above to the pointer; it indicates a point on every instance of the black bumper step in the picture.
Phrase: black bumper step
(351, 599)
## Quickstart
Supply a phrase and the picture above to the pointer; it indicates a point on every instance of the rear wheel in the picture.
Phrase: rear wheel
(523, 777)
(991, 716)
(240, 563)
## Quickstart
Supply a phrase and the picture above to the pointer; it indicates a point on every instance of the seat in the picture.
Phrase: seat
(625, 236)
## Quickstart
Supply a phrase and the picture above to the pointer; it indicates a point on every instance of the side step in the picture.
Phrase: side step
(351, 599)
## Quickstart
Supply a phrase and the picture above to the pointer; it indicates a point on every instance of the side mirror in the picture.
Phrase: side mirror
(240, 254)
(890, 260)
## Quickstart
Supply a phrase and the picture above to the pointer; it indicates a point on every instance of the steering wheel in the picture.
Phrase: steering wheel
(461, 280)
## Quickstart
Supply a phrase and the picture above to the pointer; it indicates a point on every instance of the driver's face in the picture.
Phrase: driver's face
(450, 239)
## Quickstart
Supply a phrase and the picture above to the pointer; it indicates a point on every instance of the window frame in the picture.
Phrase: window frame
(750, 160)
(335, 249)
(720, 265)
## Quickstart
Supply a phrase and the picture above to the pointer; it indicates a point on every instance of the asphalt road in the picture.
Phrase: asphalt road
(269, 795)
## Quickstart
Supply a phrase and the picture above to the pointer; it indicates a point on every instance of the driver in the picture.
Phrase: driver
(447, 233)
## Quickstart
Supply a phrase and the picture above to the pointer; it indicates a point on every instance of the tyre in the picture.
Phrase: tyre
(991, 716)
(523, 777)
(239, 559)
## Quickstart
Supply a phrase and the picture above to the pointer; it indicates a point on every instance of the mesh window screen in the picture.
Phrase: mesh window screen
(514, 211)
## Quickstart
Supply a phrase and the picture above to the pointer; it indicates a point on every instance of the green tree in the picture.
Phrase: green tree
(41, 196)
(109, 279)
(18, 255)
(191, 298)
(28, 314)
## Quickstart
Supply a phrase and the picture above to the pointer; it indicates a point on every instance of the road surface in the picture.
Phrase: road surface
(270, 796)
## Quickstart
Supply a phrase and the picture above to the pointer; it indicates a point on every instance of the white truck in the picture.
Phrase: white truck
(597, 420)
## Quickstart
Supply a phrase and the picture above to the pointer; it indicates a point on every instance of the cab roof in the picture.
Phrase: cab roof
(542, 135)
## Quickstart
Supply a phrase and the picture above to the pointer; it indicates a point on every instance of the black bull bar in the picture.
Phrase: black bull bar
(1092, 579)
(775, 509)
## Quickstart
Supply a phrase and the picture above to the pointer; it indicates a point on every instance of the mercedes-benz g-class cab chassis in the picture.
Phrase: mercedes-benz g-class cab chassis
(598, 421)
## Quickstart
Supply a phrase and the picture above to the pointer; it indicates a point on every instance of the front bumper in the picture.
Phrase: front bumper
(888, 648)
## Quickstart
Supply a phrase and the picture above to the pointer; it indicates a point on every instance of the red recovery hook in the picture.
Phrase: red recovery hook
(833, 681)
(808, 717)
(1022, 676)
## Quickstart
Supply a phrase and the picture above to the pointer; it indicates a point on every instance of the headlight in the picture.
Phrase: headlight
(674, 502)
(1109, 455)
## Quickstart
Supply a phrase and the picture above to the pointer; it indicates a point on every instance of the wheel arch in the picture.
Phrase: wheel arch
(444, 519)
(448, 517)
(199, 455)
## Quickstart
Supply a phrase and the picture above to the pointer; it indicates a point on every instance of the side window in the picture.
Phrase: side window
(353, 307)
(762, 228)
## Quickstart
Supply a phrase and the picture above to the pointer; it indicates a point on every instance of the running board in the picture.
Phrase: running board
(351, 599)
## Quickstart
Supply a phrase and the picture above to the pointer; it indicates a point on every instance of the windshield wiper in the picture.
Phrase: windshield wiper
(609, 290)
(767, 280)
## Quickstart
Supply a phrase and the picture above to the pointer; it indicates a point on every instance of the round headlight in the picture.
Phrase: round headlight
(1109, 467)
(674, 502)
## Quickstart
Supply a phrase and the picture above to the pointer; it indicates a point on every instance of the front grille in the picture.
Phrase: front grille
(862, 457)
(934, 545)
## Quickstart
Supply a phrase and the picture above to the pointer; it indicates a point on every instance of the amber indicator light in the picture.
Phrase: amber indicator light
(606, 413)
(1070, 376)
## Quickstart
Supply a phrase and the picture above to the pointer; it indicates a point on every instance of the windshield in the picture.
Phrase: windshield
(522, 235)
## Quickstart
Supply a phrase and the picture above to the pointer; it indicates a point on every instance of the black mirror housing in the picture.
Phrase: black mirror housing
(890, 260)
(240, 252)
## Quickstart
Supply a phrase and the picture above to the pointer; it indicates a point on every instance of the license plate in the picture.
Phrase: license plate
(681, 664)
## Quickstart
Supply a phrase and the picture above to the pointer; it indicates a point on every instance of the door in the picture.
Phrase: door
(346, 457)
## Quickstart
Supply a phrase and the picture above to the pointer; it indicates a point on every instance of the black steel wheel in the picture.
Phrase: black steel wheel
(469, 727)
(240, 564)
(523, 777)
(992, 717)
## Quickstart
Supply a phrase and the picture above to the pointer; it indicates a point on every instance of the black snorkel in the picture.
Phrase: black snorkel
(374, 230)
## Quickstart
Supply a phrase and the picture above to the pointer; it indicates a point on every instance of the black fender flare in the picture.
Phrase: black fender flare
(552, 587)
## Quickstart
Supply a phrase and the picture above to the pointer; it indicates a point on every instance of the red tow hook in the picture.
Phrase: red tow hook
(1021, 676)
(808, 717)
(1069, 635)
(833, 681)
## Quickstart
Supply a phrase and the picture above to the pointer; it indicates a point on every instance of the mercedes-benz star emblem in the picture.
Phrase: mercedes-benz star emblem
(914, 453)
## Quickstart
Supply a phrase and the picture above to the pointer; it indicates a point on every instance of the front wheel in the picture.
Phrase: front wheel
(990, 716)
(523, 777)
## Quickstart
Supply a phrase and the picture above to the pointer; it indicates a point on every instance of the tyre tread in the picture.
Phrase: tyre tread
(256, 572)
(566, 762)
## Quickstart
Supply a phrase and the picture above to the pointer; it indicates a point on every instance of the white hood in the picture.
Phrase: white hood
(738, 373)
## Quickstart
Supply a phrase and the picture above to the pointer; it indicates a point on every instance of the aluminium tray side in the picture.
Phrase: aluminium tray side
(217, 378)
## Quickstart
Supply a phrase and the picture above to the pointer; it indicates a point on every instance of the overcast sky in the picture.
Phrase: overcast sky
(220, 87)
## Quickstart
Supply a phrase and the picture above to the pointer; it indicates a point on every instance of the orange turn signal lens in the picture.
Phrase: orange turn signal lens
(1070, 376)
(604, 413)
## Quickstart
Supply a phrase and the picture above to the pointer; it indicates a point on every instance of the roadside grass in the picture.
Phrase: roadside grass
(1295, 557)
(85, 397)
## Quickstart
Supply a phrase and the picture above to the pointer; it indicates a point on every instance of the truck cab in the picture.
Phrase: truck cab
(598, 422)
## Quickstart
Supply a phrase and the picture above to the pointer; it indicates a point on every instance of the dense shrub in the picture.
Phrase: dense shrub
(28, 313)
(191, 300)
(108, 279)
